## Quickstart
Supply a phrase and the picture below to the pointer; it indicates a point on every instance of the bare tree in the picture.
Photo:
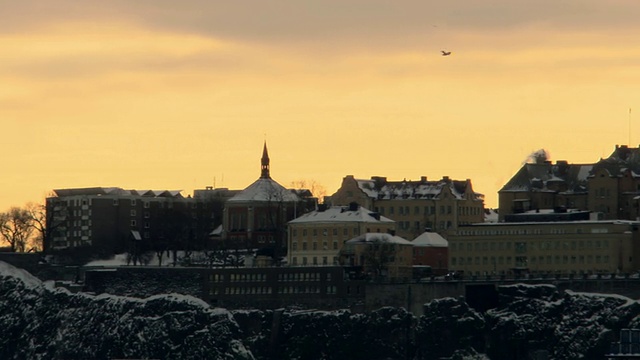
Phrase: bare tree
(316, 189)
(378, 255)
(16, 228)
(43, 222)
(276, 216)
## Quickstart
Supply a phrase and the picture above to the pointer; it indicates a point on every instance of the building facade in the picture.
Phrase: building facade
(317, 237)
(572, 247)
(610, 186)
(107, 220)
(431, 249)
(382, 256)
(415, 205)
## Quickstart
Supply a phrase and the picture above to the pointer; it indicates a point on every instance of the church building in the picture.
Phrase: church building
(256, 217)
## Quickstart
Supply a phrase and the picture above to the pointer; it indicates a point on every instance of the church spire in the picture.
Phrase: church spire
(265, 163)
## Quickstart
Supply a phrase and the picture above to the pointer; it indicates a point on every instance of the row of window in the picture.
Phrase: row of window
(553, 231)
(325, 232)
(301, 276)
(314, 245)
(306, 276)
(239, 277)
(427, 210)
(522, 247)
(521, 261)
(63, 243)
(262, 290)
(314, 260)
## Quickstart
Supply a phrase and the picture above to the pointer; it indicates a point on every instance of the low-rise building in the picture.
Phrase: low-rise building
(316, 238)
(380, 255)
(559, 247)
(431, 249)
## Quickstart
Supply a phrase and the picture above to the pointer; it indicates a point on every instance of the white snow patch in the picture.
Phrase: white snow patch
(7, 270)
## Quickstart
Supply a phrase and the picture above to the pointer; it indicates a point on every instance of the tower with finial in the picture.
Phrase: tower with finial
(265, 163)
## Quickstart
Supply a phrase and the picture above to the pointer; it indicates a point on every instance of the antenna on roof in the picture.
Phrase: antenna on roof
(629, 127)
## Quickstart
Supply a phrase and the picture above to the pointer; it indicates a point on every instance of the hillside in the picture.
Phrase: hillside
(38, 321)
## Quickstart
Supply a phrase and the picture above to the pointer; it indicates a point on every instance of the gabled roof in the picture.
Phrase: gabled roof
(378, 237)
(380, 188)
(264, 190)
(542, 176)
(341, 214)
(623, 158)
(430, 239)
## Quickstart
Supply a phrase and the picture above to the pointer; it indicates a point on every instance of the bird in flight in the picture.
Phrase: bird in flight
(445, 53)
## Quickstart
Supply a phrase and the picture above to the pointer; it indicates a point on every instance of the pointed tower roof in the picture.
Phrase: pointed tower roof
(264, 174)
(265, 189)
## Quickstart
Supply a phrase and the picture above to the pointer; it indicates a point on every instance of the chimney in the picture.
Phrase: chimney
(423, 178)
(353, 206)
(322, 207)
(562, 165)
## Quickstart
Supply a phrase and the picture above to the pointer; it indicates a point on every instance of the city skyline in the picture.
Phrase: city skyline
(161, 95)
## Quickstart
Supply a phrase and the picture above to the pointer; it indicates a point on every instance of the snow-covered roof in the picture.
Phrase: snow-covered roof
(265, 190)
(340, 214)
(376, 237)
(116, 191)
(380, 188)
(430, 239)
(217, 231)
(570, 178)
(491, 215)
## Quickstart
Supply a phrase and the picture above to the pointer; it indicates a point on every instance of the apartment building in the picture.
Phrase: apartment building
(108, 219)
(566, 247)
(316, 238)
(415, 205)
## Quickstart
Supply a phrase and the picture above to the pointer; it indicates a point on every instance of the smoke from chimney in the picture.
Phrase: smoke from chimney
(539, 156)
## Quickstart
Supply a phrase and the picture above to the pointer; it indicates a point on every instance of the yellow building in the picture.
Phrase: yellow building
(315, 238)
(415, 206)
(566, 247)
(382, 256)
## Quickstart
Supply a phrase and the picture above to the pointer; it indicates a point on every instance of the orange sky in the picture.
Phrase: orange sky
(181, 95)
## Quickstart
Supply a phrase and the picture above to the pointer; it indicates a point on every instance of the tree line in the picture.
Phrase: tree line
(23, 229)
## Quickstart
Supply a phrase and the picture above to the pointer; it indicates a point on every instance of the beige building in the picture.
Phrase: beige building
(415, 206)
(316, 238)
(572, 247)
(381, 256)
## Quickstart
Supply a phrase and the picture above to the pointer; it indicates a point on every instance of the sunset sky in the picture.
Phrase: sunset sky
(182, 94)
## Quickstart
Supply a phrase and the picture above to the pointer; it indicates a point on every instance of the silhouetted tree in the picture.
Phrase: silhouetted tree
(378, 255)
(16, 228)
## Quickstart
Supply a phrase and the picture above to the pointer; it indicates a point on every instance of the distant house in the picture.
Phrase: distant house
(433, 250)
(383, 256)
(438, 205)
(316, 238)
